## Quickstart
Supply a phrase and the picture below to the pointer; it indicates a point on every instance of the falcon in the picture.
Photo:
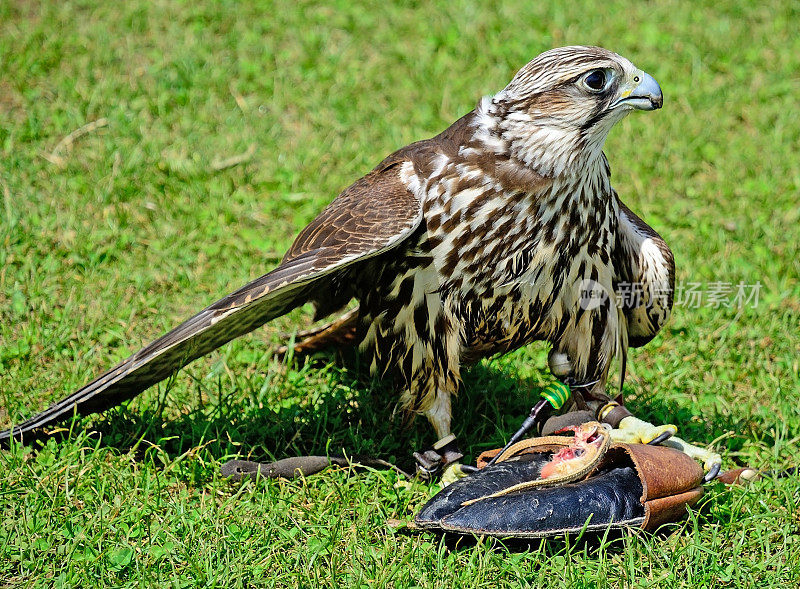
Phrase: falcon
(470, 244)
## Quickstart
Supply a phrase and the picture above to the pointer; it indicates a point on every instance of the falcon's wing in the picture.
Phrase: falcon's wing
(645, 272)
(370, 217)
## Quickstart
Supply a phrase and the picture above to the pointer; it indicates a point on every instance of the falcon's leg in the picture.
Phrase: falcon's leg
(444, 454)
(712, 462)
(439, 414)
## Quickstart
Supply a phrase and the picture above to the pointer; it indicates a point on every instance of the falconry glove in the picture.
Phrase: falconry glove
(553, 485)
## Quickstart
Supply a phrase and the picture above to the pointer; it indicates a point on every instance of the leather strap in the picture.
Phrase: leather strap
(299, 466)
(612, 413)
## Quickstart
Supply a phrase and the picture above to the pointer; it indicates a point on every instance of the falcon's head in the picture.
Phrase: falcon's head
(557, 111)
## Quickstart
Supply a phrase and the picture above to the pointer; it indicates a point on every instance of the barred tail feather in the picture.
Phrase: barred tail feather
(270, 296)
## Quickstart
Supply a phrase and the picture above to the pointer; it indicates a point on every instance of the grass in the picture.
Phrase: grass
(109, 241)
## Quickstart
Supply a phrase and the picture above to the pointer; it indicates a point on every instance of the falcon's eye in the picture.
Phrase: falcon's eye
(596, 80)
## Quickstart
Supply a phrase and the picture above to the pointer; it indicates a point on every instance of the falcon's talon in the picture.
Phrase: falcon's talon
(441, 455)
(712, 473)
(661, 438)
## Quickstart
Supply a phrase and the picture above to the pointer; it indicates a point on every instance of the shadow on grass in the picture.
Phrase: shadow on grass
(362, 418)
(359, 418)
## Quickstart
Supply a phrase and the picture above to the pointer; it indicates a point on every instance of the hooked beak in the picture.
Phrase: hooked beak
(642, 95)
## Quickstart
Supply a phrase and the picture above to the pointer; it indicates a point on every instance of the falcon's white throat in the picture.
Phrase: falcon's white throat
(540, 142)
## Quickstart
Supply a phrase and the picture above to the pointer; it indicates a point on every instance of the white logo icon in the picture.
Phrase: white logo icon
(592, 294)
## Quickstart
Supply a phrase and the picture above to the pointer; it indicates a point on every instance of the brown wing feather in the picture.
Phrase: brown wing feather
(362, 217)
(643, 259)
(371, 216)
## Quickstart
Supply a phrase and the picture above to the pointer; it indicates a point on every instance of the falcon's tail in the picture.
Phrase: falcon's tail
(340, 334)
(270, 296)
